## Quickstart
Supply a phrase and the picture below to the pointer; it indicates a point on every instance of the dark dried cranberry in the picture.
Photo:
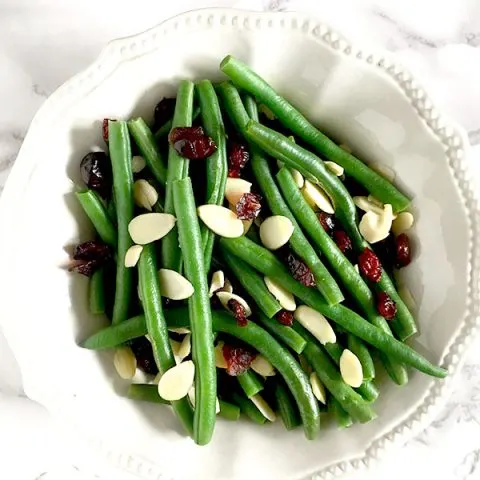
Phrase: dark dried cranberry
(326, 221)
(96, 171)
(386, 306)
(285, 317)
(300, 271)
(343, 241)
(249, 206)
(238, 157)
(191, 142)
(143, 352)
(163, 111)
(89, 256)
(370, 266)
(238, 359)
(403, 255)
(84, 268)
(238, 311)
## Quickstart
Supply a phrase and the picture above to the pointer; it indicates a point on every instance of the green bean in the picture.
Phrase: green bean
(121, 157)
(146, 143)
(248, 408)
(250, 383)
(98, 215)
(286, 406)
(356, 346)
(177, 167)
(266, 262)
(167, 126)
(245, 78)
(343, 419)
(112, 210)
(96, 293)
(157, 328)
(216, 164)
(253, 284)
(199, 310)
(396, 371)
(228, 410)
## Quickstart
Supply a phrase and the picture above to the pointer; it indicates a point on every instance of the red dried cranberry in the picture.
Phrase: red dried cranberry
(285, 317)
(238, 157)
(386, 306)
(343, 241)
(143, 352)
(238, 312)
(370, 266)
(238, 359)
(191, 142)
(89, 256)
(300, 271)
(326, 221)
(96, 171)
(248, 207)
(402, 251)
(164, 111)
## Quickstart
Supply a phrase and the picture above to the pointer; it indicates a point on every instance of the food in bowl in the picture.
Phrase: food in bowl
(260, 289)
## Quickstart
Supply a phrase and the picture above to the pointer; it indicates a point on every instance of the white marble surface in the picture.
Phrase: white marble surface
(44, 42)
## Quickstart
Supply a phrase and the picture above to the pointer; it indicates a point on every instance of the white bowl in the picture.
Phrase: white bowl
(362, 99)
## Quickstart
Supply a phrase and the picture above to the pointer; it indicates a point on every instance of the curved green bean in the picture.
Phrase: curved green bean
(96, 293)
(343, 419)
(250, 383)
(228, 410)
(286, 406)
(248, 408)
(356, 346)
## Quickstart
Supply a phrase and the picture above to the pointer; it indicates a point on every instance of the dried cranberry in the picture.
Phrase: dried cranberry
(326, 221)
(285, 317)
(238, 157)
(89, 256)
(238, 359)
(238, 311)
(164, 111)
(343, 241)
(402, 251)
(248, 207)
(191, 142)
(96, 171)
(142, 349)
(370, 265)
(386, 306)
(105, 130)
(300, 271)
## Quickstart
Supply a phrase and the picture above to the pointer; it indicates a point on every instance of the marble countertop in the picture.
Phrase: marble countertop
(44, 42)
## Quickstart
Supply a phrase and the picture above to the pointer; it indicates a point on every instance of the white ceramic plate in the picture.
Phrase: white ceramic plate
(362, 99)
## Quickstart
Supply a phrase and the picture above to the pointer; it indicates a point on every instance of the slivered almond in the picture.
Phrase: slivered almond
(335, 168)
(317, 388)
(314, 194)
(177, 381)
(175, 348)
(351, 369)
(227, 286)
(220, 361)
(276, 231)
(365, 204)
(402, 223)
(284, 297)
(297, 178)
(125, 362)
(148, 227)
(225, 297)
(173, 285)
(185, 347)
(235, 188)
(374, 227)
(218, 281)
(179, 330)
(262, 366)
(221, 220)
(138, 163)
(132, 255)
(144, 194)
(264, 407)
(316, 324)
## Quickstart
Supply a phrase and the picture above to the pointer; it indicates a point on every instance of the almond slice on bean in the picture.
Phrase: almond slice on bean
(221, 220)
(227, 286)
(225, 297)
(316, 324)
(185, 347)
(264, 407)
(220, 361)
(218, 281)
(367, 205)
(275, 231)
(314, 194)
(317, 388)
(177, 381)
(175, 346)
(262, 366)
(284, 297)
(374, 227)
(191, 397)
(132, 255)
(148, 227)
(179, 330)
(335, 168)
(351, 369)
(402, 223)
(173, 285)
(297, 178)
(125, 362)
(144, 194)
(235, 188)
(138, 163)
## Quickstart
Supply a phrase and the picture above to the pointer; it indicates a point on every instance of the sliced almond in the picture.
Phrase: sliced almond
(284, 297)
(220, 361)
(138, 163)
(264, 407)
(351, 369)
(221, 220)
(374, 227)
(185, 347)
(125, 362)
(191, 397)
(132, 255)
(227, 286)
(225, 297)
(317, 388)
(177, 381)
(367, 205)
(314, 194)
(235, 188)
(372, 199)
(335, 168)
(316, 324)
(383, 171)
(144, 194)
(175, 346)
(218, 281)
(276, 231)
(179, 330)
(402, 223)
(262, 366)
(297, 178)
(148, 227)
(173, 285)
